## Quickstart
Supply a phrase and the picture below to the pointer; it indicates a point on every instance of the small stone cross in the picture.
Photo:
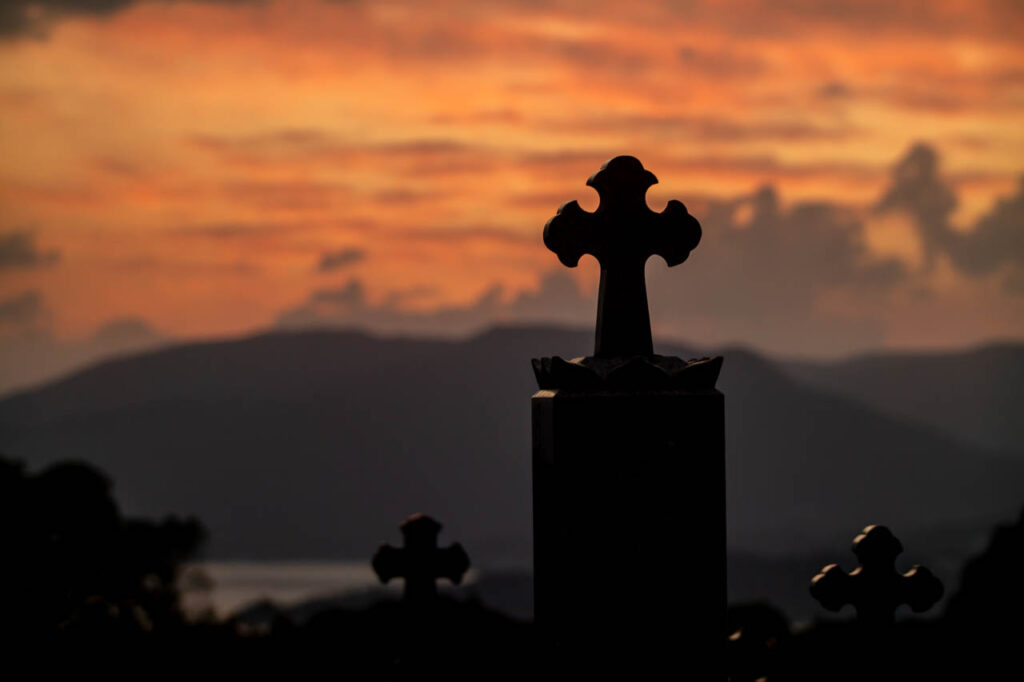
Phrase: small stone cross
(622, 234)
(420, 561)
(875, 588)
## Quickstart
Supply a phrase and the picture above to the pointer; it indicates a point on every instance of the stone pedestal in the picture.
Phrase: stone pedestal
(628, 461)
(629, 527)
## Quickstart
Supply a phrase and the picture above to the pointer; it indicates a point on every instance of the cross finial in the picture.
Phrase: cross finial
(622, 234)
(875, 588)
(420, 561)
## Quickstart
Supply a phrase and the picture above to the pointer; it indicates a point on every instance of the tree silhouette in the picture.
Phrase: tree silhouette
(75, 567)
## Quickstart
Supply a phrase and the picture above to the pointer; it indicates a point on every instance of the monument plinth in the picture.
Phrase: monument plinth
(628, 459)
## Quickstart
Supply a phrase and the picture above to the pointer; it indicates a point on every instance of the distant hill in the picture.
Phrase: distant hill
(34, 356)
(975, 395)
(315, 444)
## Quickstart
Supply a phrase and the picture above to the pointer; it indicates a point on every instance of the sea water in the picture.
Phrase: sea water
(225, 587)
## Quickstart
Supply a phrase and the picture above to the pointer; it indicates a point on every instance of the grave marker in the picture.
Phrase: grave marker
(420, 561)
(875, 588)
(628, 460)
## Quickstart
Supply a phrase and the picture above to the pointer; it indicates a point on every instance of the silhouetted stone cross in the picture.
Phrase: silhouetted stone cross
(420, 561)
(875, 588)
(622, 234)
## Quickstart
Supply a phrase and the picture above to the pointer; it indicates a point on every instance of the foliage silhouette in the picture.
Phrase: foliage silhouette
(76, 568)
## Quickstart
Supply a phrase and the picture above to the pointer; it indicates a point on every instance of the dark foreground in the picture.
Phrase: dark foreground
(80, 586)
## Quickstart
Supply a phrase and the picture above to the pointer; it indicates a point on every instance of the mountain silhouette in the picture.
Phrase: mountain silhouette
(976, 395)
(313, 444)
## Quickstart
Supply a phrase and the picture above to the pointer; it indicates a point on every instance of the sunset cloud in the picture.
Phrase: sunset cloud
(557, 300)
(21, 310)
(36, 17)
(210, 164)
(19, 250)
(342, 258)
(997, 240)
(779, 273)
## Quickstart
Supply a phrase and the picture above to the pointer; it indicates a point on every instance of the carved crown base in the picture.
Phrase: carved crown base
(641, 372)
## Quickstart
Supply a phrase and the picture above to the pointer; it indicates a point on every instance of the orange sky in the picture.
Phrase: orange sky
(193, 164)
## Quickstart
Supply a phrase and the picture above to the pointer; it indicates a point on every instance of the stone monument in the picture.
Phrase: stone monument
(628, 459)
(876, 588)
(420, 561)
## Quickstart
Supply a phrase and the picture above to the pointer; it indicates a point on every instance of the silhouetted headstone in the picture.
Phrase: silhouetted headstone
(875, 588)
(420, 561)
(628, 460)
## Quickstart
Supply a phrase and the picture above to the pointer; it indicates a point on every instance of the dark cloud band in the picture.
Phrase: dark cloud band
(21, 310)
(335, 260)
(19, 250)
(35, 17)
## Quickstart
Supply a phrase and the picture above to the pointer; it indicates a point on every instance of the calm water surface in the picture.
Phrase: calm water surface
(232, 585)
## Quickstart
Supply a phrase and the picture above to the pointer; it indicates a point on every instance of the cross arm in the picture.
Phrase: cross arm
(921, 589)
(676, 233)
(833, 587)
(388, 563)
(453, 563)
(568, 234)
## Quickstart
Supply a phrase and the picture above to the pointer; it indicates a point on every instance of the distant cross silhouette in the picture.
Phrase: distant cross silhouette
(420, 561)
(622, 234)
(875, 588)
